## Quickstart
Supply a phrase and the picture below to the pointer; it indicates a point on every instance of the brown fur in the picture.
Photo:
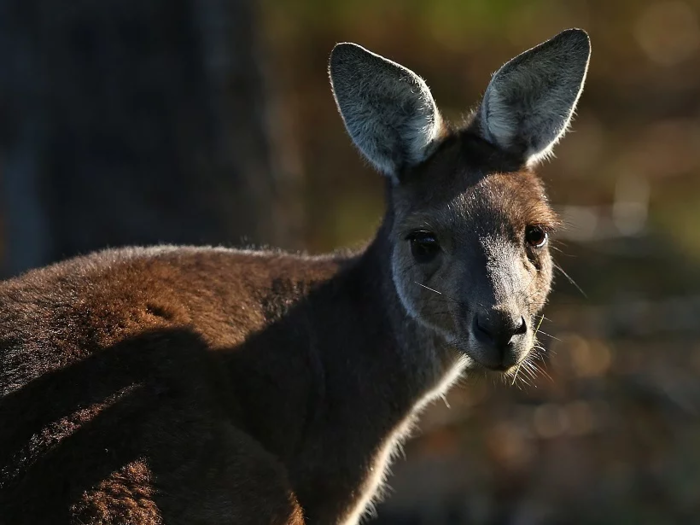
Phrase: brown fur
(180, 385)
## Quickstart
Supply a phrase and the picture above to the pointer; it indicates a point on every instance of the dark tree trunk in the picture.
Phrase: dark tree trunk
(132, 122)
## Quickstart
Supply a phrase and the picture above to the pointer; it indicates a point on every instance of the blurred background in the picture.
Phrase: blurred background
(211, 121)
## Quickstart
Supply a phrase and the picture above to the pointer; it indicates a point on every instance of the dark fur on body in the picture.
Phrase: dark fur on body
(211, 386)
(165, 384)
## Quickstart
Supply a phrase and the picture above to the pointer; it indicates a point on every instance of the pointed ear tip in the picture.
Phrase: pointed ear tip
(577, 36)
(340, 46)
(578, 32)
(346, 55)
(346, 49)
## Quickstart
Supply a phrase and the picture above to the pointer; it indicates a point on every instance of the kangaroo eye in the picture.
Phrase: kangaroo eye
(535, 236)
(424, 246)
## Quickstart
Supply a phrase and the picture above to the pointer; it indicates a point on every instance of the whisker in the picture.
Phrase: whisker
(548, 335)
(539, 324)
(538, 354)
(526, 368)
(544, 303)
(544, 372)
(524, 380)
(570, 280)
(427, 287)
(515, 375)
(539, 351)
(437, 292)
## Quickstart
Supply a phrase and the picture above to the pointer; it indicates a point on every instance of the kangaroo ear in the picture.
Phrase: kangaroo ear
(529, 103)
(387, 109)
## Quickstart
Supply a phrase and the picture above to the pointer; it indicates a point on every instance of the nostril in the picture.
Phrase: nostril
(482, 329)
(500, 330)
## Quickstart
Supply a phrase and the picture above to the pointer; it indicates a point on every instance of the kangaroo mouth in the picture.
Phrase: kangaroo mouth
(502, 361)
(501, 367)
(496, 368)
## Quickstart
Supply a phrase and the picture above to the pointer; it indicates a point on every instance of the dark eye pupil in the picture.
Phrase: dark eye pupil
(424, 246)
(535, 236)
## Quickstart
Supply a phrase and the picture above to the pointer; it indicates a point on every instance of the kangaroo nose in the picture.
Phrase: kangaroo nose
(499, 333)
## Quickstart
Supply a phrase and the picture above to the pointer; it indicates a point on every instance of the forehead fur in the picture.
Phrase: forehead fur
(469, 178)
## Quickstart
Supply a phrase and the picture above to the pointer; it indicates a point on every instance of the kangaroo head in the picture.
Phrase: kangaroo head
(468, 221)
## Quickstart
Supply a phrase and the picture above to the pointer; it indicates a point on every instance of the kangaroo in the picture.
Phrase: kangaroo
(185, 385)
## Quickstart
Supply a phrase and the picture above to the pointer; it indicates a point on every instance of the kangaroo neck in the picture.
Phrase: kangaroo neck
(417, 355)
(378, 369)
